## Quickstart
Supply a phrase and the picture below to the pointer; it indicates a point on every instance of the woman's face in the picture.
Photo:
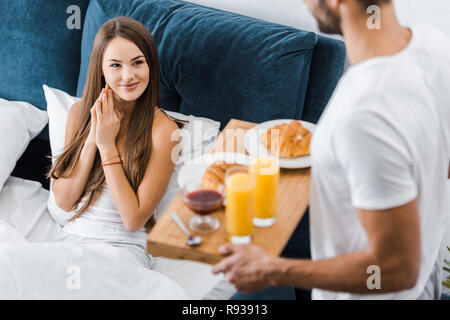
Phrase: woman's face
(125, 69)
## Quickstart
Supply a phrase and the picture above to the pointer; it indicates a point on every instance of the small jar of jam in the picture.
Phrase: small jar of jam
(203, 202)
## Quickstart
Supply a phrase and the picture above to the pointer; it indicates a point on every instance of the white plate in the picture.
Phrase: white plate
(196, 167)
(256, 148)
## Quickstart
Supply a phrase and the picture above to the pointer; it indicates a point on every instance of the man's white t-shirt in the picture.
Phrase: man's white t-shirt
(383, 141)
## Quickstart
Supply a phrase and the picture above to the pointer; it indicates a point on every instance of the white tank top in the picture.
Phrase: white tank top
(102, 220)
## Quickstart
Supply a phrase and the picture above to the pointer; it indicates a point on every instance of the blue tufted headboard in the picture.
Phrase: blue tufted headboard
(327, 66)
(216, 64)
(213, 63)
(222, 65)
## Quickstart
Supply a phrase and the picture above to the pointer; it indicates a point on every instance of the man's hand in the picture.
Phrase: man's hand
(247, 268)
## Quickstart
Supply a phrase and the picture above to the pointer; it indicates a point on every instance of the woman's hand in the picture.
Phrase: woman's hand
(108, 120)
(91, 136)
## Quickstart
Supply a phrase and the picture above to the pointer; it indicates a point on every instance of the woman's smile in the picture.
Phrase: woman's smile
(130, 86)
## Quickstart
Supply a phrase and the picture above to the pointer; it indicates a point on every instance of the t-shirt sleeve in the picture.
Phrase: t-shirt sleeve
(375, 160)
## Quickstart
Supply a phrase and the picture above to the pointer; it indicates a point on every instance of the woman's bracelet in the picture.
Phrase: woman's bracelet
(109, 164)
(103, 162)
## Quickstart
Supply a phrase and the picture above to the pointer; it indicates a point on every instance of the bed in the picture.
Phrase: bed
(28, 269)
(34, 266)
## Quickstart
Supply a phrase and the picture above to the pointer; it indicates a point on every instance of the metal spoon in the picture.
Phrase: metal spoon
(191, 240)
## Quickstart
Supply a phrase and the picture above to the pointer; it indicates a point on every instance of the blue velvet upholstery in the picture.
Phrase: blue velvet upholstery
(37, 47)
(327, 67)
(216, 64)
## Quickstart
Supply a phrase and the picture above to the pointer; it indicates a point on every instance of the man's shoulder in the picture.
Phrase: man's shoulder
(378, 90)
(386, 84)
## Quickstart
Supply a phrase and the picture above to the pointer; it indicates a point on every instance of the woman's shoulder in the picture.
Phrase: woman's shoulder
(160, 118)
(74, 113)
(75, 109)
(76, 106)
(73, 118)
(163, 125)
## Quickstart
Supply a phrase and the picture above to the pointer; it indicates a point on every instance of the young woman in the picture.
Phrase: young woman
(109, 179)
(116, 163)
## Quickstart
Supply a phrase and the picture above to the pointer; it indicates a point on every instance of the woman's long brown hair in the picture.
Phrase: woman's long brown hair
(138, 144)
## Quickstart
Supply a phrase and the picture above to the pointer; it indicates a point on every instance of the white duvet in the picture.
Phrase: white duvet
(31, 268)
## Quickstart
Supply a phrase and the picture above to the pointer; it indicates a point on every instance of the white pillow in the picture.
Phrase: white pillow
(58, 106)
(23, 207)
(197, 137)
(20, 122)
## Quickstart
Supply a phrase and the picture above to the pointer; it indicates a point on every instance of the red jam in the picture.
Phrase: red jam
(204, 202)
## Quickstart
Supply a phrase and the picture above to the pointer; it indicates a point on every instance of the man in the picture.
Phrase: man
(380, 158)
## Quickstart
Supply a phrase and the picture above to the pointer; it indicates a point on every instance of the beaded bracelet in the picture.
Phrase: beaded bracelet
(109, 164)
(117, 155)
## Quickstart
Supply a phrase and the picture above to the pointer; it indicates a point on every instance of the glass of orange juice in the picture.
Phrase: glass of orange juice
(240, 204)
(267, 172)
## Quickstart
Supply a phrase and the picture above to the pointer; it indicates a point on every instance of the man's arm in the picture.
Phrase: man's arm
(393, 245)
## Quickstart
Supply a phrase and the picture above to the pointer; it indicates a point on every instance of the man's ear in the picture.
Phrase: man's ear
(333, 5)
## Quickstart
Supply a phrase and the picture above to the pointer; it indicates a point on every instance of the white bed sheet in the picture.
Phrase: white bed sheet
(28, 269)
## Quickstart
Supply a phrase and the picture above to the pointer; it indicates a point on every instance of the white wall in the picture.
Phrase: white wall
(292, 13)
(434, 12)
(295, 14)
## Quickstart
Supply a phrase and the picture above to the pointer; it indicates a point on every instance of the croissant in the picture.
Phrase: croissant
(293, 140)
(214, 175)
